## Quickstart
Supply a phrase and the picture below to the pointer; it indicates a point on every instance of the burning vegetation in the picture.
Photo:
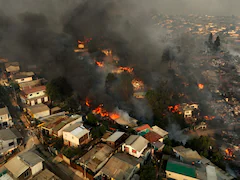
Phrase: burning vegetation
(200, 86)
(137, 84)
(175, 109)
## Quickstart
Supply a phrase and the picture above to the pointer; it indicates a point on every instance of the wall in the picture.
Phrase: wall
(37, 168)
(27, 79)
(69, 137)
(41, 114)
(36, 94)
(178, 176)
(4, 146)
(6, 118)
(60, 132)
(137, 154)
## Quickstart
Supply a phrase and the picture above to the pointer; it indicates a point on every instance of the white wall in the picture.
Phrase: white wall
(4, 145)
(137, 154)
(60, 132)
(37, 168)
(27, 79)
(6, 118)
(41, 114)
(67, 136)
(36, 94)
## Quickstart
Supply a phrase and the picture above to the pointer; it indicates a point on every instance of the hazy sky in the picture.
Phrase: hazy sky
(210, 7)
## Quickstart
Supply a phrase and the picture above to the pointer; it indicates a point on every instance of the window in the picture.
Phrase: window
(30, 94)
(22, 79)
(11, 144)
(26, 174)
(134, 151)
(37, 92)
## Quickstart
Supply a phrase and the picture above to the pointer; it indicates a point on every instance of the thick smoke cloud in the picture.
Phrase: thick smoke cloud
(45, 33)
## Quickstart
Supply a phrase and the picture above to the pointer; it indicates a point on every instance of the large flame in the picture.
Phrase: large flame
(137, 84)
(121, 69)
(200, 86)
(114, 116)
(101, 111)
(175, 109)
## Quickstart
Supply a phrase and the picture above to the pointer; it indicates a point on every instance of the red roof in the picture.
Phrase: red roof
(152, 137)
(143, 127)
(33, 89)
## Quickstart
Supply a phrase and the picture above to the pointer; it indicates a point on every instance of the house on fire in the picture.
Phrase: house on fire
(57, 123)
(35, 95)
(5, 118)
(187, 109)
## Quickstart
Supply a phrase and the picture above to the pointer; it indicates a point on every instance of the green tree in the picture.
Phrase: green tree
(217, 43)
(98, 131)
(91, 119)
(4, 96)
(168, 150)
(71, 104)
(210, 39)
(147, 172)
(59, 89)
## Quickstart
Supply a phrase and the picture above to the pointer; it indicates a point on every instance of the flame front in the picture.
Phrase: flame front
(200, 86)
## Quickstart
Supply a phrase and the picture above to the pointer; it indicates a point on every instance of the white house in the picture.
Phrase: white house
(32, 160)
(5, 117)
(35, 95)
(22, 77)
(38, 111)
(135, 145)
(25, 165)
(76, 135)
(10, 139)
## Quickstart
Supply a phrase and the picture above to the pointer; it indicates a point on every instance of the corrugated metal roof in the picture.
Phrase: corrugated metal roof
(137, 142)
(115, 136)
(4, 111)
(7, 134)
(159, 131)
(30, 158)
(38, 108)
(16, 166)
(79, 132)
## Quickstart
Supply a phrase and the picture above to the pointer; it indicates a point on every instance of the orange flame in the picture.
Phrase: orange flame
(128, 69)
(101, 111)
(175, 109)
(99, 64)
(87, 102)
(200, 86)
(209, 118)
(228, 152)
(137, 84)
(114, 116)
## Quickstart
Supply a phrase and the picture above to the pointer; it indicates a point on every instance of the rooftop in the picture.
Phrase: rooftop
(4, 111)
(38, 108)
(137, 142)
(181, 168)
(143, 127)
(30, 158)
(96, 156)
(78, 131)
(45, 175)
(8, 64)
(115, 136)
(159, 131)
(16, 166)
(23, 75)
(7, 134)
(152, 137)
(187, 153)
(33, 89)
(120, 166)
